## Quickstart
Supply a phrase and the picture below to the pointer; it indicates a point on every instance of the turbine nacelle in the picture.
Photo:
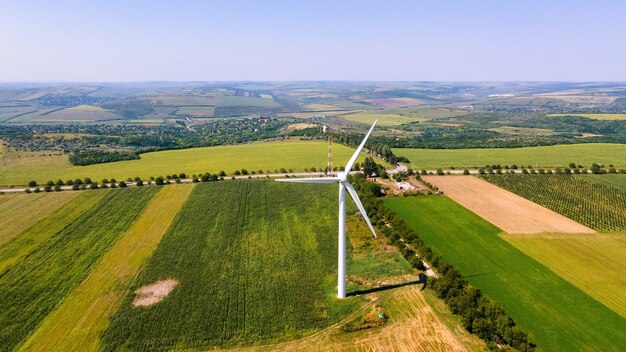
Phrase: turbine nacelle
(342, 176)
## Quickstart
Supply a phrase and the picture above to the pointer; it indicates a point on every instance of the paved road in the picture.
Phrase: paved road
(290, 174)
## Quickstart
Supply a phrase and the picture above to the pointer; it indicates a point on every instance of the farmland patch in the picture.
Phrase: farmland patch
(40, 281)
(267, 156)
(255, 262)
(502, 208)
(610, 117)
(550, 156)
(20, 211)
(77, 323)
(81, 113)
(384, 118)
(594, 263)
(617, 181)
(597, 206)
(537, 299)
(40, 232)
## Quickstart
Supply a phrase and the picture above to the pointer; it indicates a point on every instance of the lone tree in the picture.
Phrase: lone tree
(370, 167)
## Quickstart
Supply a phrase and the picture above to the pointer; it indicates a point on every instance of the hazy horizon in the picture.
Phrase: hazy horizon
(280, 41)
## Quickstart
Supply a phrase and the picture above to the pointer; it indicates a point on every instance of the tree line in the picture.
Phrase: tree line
(89, 157)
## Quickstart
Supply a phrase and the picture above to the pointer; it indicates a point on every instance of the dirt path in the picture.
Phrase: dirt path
(502, 208)
(412, 326)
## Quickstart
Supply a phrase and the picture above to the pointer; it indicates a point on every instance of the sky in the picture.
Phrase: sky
(130, 41)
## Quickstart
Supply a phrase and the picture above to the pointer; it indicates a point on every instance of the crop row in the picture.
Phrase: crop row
(34, 286)
(254, 262)
(600, 207)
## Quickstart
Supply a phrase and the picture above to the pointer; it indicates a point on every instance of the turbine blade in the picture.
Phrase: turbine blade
(358, 150)
(356, 199)
(310, 180)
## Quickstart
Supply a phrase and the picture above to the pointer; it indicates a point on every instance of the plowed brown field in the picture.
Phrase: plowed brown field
(502, 208)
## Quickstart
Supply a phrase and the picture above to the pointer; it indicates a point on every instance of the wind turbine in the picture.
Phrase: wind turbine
(342, 180)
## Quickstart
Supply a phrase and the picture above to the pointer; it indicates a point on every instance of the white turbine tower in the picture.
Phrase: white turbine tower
(342, 179)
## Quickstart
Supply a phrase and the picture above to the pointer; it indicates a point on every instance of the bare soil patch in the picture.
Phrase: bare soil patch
(154, 293)
(506, 210)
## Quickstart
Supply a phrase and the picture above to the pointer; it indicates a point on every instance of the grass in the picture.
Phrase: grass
(20, 211)
(30, 239)
(293, 154)
(610, 117)
(557, 315)
(617, 181)
(372, 258)
(551, 156)
(78, 322)
(594, 263)
(34, 286)
(599, 207)
(255, 261)
(11, 159)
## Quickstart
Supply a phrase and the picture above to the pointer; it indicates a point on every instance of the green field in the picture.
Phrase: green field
(599, 262)
(272, 156)
(255, 262)
(599, 207)
(35, 285)
(557, 315)
(610, 117)
(617, 181)
(551, 156)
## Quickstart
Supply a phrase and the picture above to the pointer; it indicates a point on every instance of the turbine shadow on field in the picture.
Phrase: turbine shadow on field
(475, 275)
(422, 280)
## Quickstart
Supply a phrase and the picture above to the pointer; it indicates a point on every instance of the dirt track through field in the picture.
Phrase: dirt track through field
(506, 210)
(413, 326)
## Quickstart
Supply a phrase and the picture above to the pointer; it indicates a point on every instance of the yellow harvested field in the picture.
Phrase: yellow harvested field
(609, 117)
(77, 323)
(413, 325)
(393, 103)
(383, 118)
(196, 111)
(40, 232)
(502, 208)
(20, 211)
(323, 107)
(594, 263)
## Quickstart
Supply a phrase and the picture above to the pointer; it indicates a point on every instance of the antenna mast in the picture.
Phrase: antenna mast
(329, 165)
